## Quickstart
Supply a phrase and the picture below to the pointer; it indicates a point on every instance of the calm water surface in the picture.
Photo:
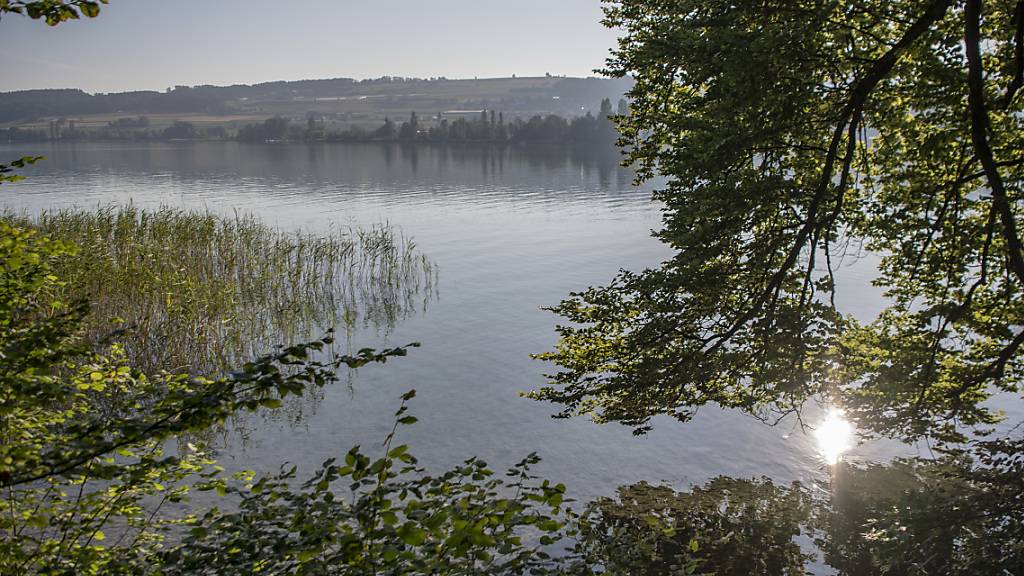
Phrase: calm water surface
(510, 232)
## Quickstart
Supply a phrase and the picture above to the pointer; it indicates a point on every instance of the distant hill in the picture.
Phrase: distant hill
(344, 100)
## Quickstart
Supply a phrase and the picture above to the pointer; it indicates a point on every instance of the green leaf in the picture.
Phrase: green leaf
(412, 535)
(307, 555)
(272, 403)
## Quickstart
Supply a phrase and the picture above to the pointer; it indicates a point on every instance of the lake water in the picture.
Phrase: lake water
(510, 231)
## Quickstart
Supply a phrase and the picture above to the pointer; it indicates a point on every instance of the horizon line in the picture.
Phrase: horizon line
(365, 79)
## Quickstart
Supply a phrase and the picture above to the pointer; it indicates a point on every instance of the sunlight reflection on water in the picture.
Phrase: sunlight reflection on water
(834, 435)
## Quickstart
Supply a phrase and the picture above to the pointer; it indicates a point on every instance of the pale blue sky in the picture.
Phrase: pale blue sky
(153, 44)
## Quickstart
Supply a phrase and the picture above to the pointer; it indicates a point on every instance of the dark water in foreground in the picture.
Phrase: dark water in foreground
(510, 232)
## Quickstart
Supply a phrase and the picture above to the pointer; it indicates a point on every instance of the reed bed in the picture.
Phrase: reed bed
(201, 292)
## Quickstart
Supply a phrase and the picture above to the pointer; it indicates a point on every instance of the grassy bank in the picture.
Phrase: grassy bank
(200, 292)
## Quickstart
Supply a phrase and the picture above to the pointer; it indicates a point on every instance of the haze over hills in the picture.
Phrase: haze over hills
(340, 101)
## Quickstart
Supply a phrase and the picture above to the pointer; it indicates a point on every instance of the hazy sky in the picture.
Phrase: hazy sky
(153, 44)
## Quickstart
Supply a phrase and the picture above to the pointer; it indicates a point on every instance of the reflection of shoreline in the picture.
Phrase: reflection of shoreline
(576, 150)
(530, 145)
(225, 169)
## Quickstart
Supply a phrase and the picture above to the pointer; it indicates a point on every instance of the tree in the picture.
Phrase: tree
(410, 130)
(386, 131)
(180, 131)
(272, 129)
(276, 128)
(793, 132)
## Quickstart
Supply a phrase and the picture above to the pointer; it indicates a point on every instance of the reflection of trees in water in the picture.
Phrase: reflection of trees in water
(959, 514)
(492, 159)
(727, 526)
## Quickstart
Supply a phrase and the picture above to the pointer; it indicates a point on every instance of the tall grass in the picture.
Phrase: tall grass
(200, 292)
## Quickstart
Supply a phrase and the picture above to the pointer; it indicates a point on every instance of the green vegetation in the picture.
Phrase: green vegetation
(7, 170)
(86, 485)
(787, 129)
(203, 293)
(397, 520)
(52, 11)
(793, 133)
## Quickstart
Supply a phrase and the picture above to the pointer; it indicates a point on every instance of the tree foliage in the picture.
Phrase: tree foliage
(794, 134)
(53, 11)
(7, 170)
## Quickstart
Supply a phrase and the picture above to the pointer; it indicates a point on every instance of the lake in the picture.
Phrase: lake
(510, 231)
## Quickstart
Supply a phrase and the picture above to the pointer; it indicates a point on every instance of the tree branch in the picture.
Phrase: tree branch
(979, 137)
(1018, 55)
(854, 106)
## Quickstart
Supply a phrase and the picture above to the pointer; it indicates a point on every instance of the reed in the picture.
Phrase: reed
(202, 293)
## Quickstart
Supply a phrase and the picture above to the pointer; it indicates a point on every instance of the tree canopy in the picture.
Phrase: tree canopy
(795, 134)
